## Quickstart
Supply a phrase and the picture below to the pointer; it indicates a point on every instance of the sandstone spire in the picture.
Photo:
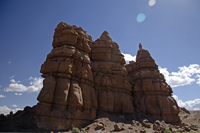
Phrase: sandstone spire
(67, 97)
(151, 94)
(110, 76)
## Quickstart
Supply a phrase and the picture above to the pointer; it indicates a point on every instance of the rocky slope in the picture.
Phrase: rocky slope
(106, 122)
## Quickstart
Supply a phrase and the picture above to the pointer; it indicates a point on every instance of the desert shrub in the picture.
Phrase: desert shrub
(75, 130)
(167, 131)
(105, 124)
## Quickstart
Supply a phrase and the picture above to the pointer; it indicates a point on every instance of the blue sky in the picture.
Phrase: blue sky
(168, 29)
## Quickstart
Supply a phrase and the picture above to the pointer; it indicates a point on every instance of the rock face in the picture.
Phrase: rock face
(112, 87)
(151, 94)
(68, 96)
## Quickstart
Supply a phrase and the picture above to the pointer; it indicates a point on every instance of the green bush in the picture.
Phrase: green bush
(167, 131)
(75, 130)
(105, 124)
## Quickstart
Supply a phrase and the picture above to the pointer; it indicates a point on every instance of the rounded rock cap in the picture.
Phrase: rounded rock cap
(105, 36)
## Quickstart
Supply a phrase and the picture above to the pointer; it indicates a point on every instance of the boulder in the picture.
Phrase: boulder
(117, 127)
(99, 126)
(142, 131)
(146, 124)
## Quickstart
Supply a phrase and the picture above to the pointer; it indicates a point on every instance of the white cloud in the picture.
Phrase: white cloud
(14, 105)
(152, 2)
(189, 105)
(13, 81)
(35, 85)
(18, 94)
(198, 80)
(5, 110)
(129, 57)
(12, 77)
(2, 96)
(0, 86)
(185, 75)
(9, 62)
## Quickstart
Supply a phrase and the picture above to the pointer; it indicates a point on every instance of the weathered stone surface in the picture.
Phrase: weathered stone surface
(151, 94)
(67, 97)
(112, 87)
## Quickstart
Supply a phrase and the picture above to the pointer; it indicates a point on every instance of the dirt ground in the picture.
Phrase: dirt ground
(107, 122)
(190, 118)
(110, 122)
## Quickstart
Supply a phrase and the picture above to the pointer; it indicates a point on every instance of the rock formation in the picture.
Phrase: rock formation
(67, 97)
(112, 87)
(75, 88)
(151, 94)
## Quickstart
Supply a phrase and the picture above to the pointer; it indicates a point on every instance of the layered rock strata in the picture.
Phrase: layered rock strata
(113, 90)
(151, 94)
(68, 96)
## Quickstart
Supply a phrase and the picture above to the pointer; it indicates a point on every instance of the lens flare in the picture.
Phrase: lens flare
(152, 2)
(141, 17)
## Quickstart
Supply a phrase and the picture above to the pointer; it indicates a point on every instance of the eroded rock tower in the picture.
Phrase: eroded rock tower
(113, 90)
(151, 94)
(68, 96)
